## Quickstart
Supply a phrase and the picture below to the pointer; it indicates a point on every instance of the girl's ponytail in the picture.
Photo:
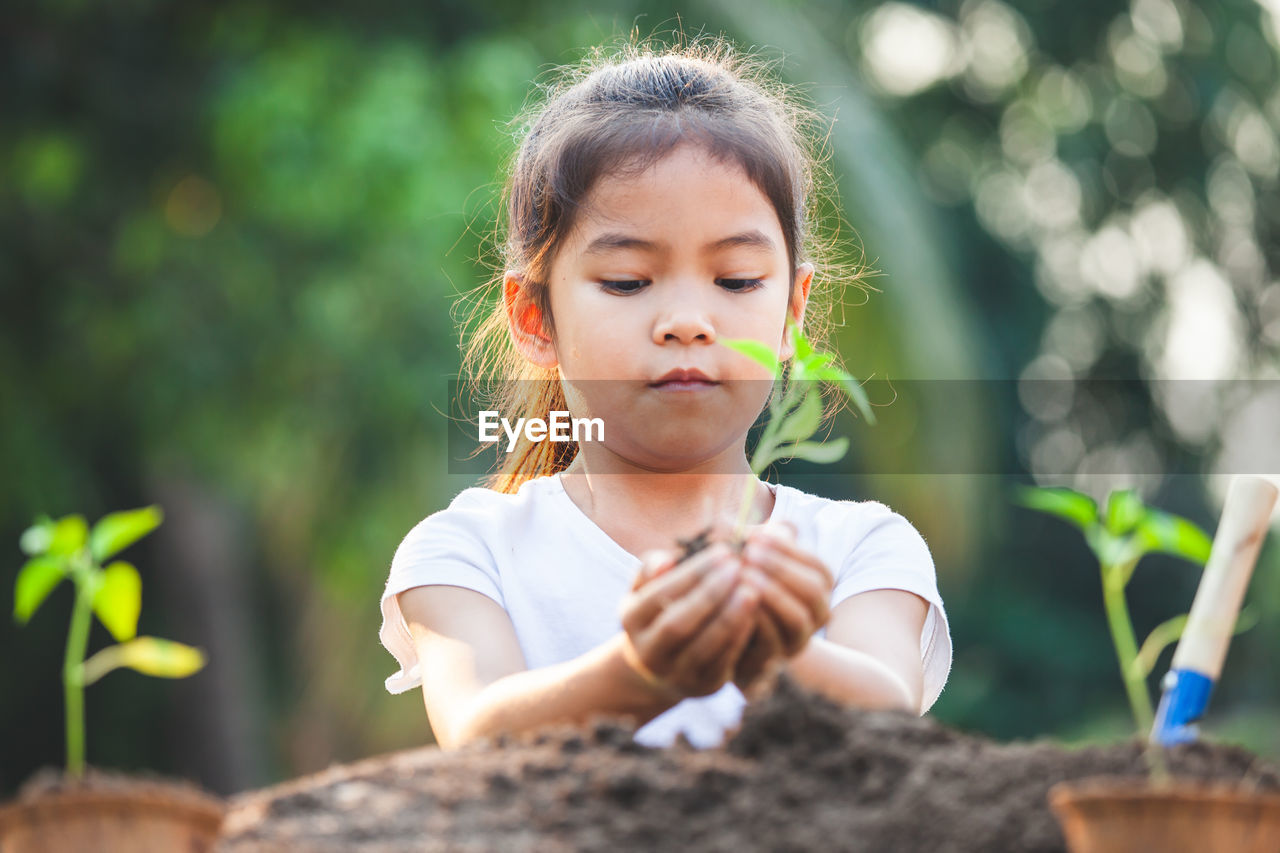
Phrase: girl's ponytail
(532, 459)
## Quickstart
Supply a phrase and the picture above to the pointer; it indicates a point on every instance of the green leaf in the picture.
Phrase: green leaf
(36, 580)
(850, 387)
(805, 369)
(1124, 511)
(817, 361)
(1172, 534)
(69, 535)
(756, 351)
(832, 374)
(803, 350)
(37, 538)
(804, 420)
(822, 453)
(118, 600)
(148, 655)
(115, 532)
(1068, 504)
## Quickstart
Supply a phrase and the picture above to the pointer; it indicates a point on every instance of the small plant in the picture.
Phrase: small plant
(1119, 537)
(795, 415)
(68, 548)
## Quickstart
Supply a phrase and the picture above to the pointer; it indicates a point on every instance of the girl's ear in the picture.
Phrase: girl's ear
(525, 323)
(795, 311)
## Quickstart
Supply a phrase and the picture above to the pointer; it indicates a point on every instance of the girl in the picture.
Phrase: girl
(659, 202)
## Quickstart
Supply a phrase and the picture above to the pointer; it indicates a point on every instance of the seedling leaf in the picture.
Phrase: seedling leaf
(756, 351)
(1124, 511)
(163, 658)
(850, 387)
(117, 531)
(1068, 504)
(148, 655)
(813, 451)
(803, 348)
(36, 579)
(1171, 534)
(37, 538)
(69, 534)
(816, 362)
(804, 420)
(118, 600)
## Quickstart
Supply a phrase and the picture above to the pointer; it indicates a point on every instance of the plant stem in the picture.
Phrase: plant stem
(1126, 645)
(1157, 769)
(759, 460)
(72, 666)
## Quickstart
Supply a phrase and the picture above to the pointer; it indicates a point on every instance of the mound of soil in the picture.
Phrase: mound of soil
(801, 773)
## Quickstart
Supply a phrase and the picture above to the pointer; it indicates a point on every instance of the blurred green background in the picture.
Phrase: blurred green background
(234, 235)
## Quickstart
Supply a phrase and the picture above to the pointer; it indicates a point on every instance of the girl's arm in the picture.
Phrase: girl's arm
(476, 683)
(685, 632)
(871, 654)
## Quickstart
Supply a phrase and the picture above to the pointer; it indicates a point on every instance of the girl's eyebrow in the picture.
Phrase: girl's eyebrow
(753, 239)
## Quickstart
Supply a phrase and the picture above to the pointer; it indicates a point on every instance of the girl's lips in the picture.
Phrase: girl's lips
(679, 385)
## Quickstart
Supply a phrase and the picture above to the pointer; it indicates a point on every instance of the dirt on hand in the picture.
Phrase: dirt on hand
(801, 773)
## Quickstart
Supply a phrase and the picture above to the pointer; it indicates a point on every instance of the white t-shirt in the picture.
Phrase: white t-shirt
(561, 579)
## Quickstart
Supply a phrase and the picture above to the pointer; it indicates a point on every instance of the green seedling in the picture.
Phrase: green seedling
(67, 548)
(1119, 537)
(796, 414)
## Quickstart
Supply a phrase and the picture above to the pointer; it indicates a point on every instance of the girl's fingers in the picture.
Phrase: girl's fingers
(811, 586)
(733, 653)
(749, 661)
(793, 619)
(777, 538)
(685, 616)
(654, 563)
(764, 644)
(651, 597)
(713, 651)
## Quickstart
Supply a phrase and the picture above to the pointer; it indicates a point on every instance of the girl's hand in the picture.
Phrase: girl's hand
(686, 625)
(795, 591)
(762, 655)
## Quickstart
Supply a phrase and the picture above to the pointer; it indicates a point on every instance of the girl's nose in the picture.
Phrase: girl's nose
(685, 325)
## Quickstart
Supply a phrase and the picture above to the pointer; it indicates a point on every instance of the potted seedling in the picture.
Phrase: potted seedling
(1159, 812)
(87, 811)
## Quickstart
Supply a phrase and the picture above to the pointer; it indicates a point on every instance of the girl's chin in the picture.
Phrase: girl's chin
(673, 456)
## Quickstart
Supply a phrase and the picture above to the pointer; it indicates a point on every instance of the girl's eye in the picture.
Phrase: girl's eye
(622, 287)
(733, 285)
(740, 285)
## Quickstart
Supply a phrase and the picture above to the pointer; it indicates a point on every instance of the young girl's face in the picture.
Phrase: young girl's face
(659, 267)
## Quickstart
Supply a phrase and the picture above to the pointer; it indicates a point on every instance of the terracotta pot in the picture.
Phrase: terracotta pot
(1107, 814)
(140, 818)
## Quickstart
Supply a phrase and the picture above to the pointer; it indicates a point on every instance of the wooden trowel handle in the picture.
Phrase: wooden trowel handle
(1245, 518)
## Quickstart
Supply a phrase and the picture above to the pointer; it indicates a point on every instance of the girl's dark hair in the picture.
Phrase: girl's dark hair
(621, 111)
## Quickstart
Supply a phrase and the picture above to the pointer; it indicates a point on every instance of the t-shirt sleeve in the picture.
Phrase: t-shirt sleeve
(445, 548)
(890, 553)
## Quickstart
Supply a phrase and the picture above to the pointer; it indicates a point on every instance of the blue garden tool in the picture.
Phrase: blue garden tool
(1203, 647)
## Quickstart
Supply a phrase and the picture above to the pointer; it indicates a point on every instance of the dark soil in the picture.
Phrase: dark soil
(694, 544)
(800, 774)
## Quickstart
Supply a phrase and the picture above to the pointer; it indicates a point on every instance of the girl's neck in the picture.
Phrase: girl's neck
(642, 508)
